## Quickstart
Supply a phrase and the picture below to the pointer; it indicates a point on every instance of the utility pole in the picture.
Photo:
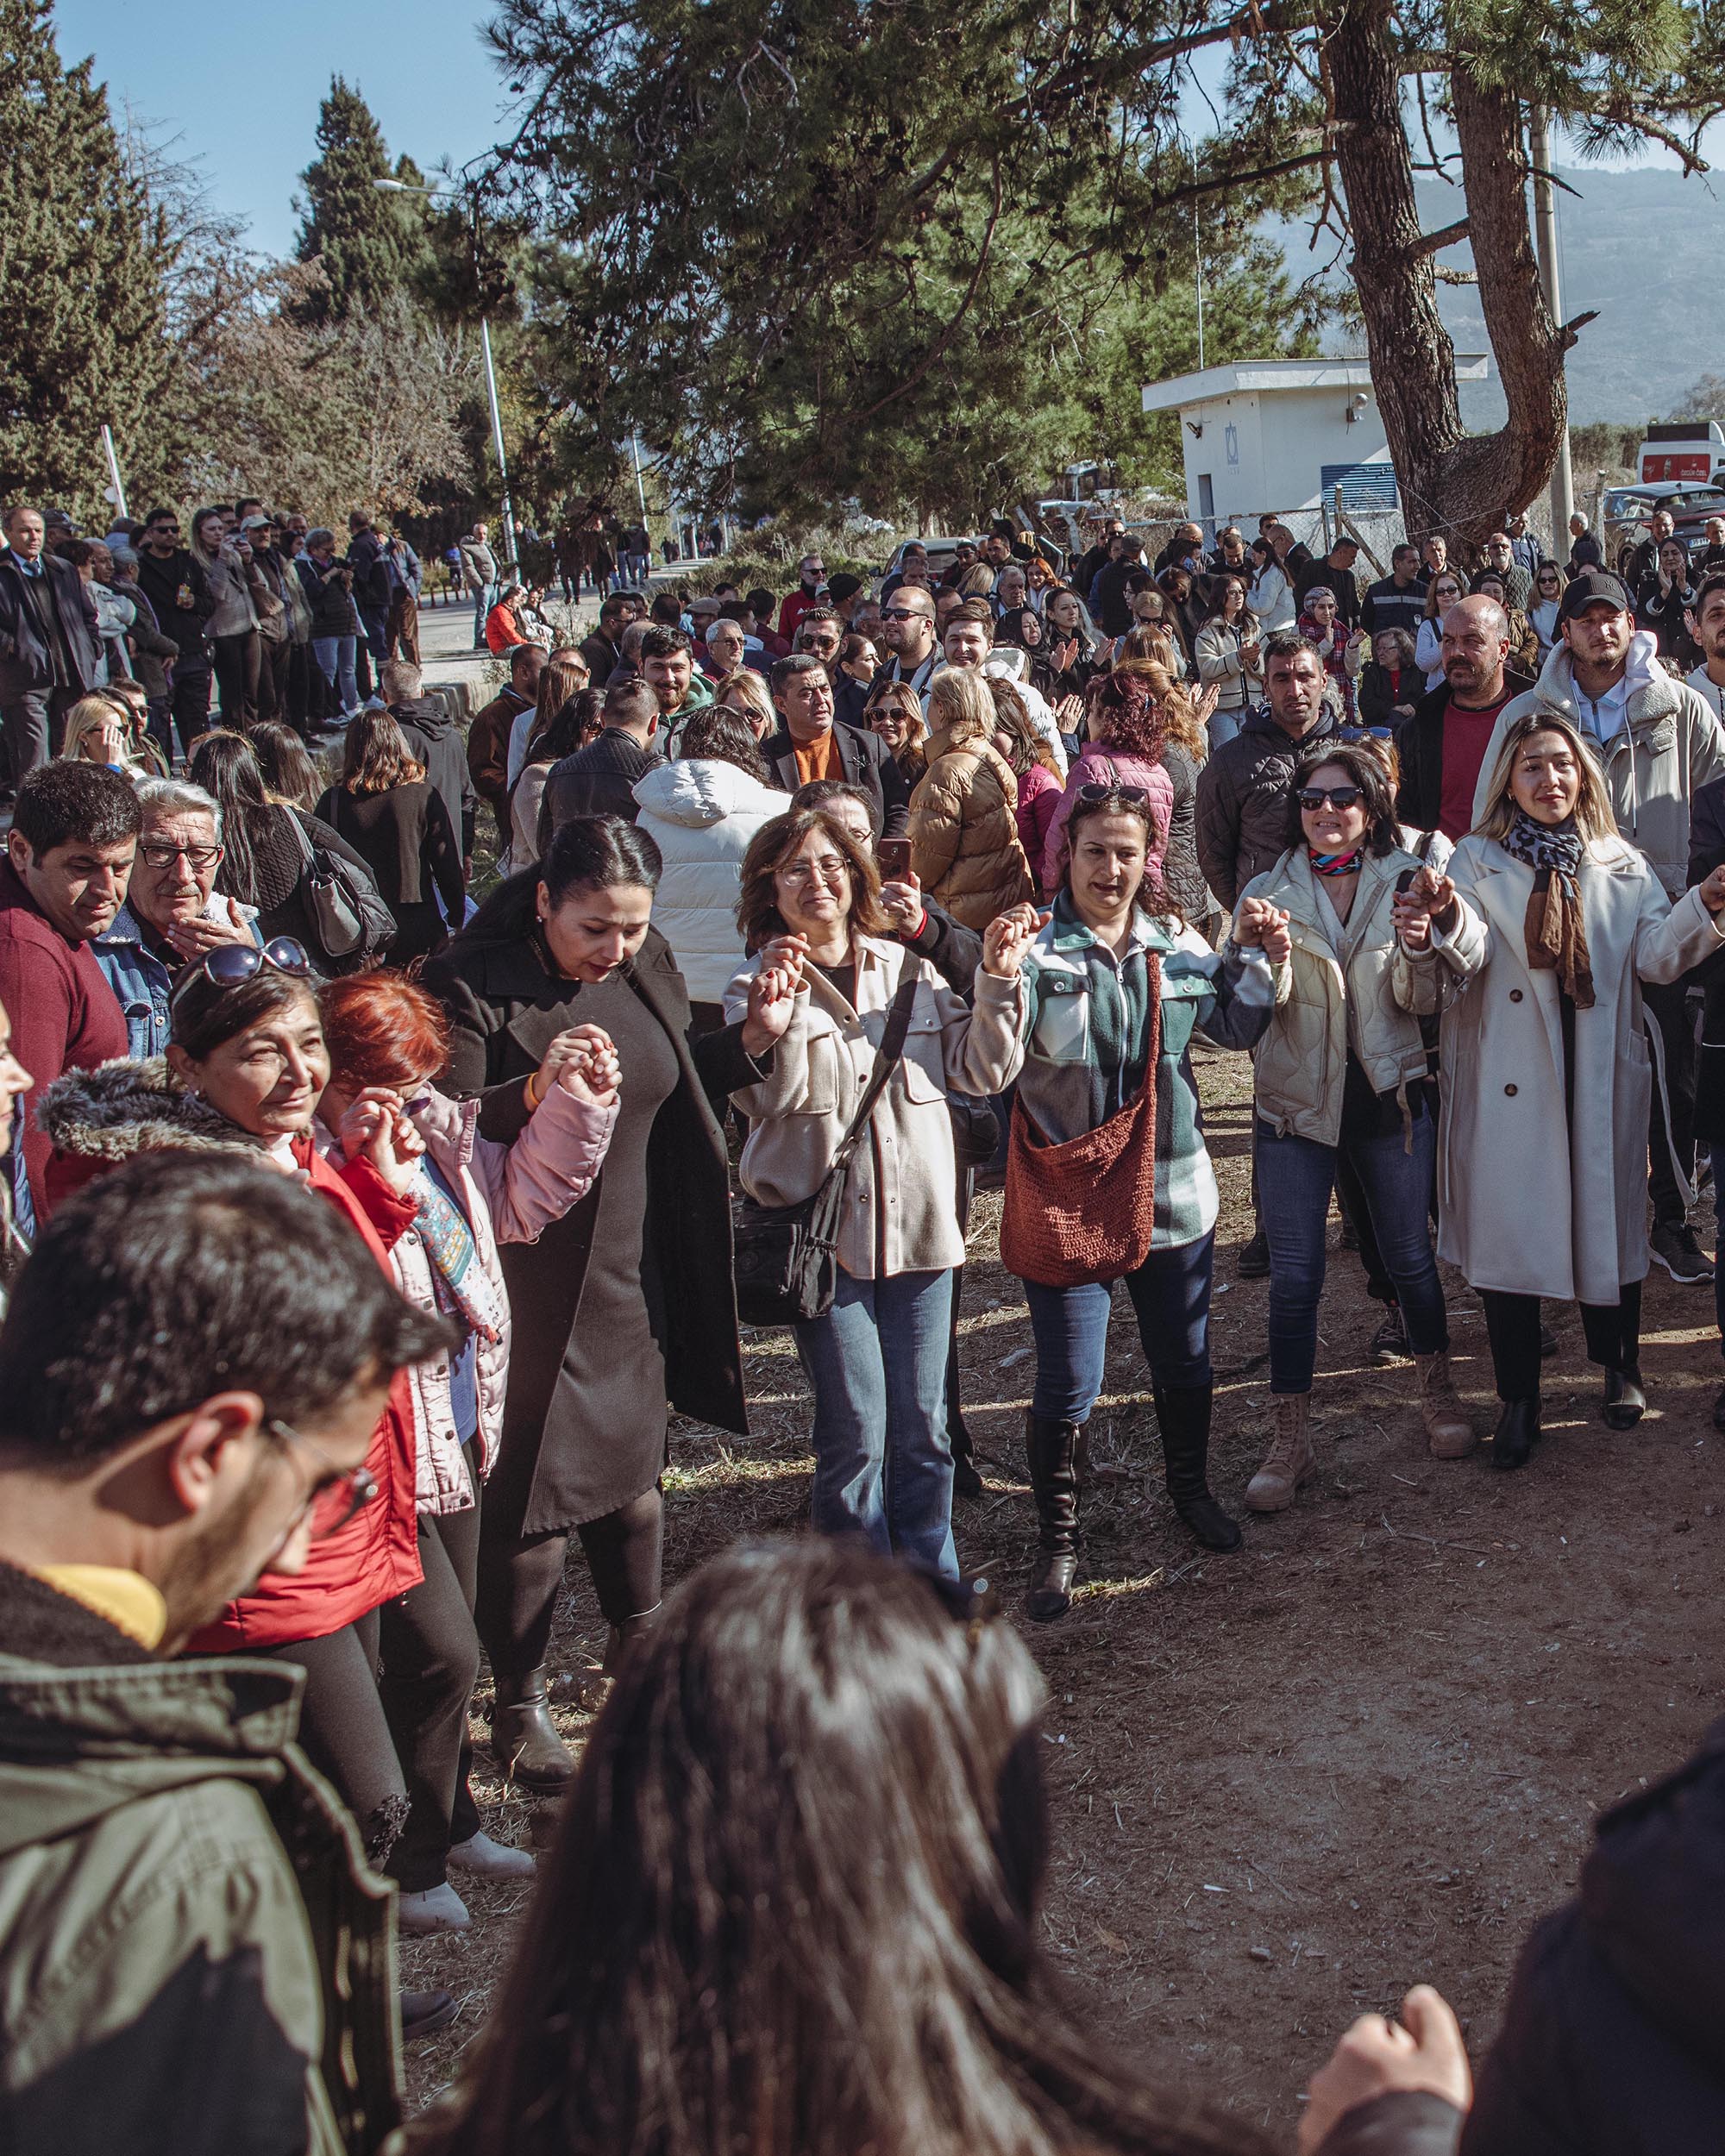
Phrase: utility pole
(1546, 240)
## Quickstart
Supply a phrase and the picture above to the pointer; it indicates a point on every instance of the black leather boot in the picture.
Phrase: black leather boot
(1518, 1426)
(1625, 1401)
(523, 1740)
(1183, 1411)
(623, 1636)
(1051, 1448)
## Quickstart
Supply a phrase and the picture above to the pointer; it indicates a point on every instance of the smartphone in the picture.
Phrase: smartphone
(894, 857)
(1404, 881)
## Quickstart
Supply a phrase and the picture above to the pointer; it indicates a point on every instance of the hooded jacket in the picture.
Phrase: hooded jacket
(433, 737)
(701, 815)
(97, 1118)
(1670, 743)
(197, 1960)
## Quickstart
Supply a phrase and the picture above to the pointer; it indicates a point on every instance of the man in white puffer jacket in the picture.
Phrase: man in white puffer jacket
(702, 812)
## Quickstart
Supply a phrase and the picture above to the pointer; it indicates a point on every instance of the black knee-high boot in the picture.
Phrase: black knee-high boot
(1051, 1448)
(1183, 1411)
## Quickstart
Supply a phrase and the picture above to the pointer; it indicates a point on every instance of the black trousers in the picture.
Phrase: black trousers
(236, 662)
(1512, 1326)
(31, 725)
(431, 1658)
(1667, 1004)
(191, 702)
(519, 1576)
(345, 1732)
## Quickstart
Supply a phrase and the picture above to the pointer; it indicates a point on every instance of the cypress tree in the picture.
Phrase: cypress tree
(357, 236)
(82, 264)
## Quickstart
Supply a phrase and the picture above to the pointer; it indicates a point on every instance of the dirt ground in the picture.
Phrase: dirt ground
(1364, 1751)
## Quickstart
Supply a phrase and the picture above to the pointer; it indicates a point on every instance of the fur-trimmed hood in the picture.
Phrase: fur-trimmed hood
(123, 1107)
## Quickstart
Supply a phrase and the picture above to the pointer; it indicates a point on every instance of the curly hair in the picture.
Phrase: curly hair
(1128, 712)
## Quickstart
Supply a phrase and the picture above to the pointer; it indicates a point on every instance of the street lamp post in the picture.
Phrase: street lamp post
(512, 556)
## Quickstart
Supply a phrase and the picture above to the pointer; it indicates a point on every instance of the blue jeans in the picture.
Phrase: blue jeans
(1294, 1179)
(882, 1466)
(334, 657)
(483, 600)
(1170, 1295)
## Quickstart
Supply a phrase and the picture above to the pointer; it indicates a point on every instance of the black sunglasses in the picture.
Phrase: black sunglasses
(904, 613)
(228, 964)
(1341, 796)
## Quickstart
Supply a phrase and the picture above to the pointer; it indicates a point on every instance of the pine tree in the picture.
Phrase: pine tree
(83, 263)
(358, 233)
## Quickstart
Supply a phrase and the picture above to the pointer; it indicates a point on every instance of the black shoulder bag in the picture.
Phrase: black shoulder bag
(786, 1255)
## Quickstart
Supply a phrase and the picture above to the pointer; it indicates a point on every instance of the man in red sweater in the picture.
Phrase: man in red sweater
(68, 862)
(812, 572)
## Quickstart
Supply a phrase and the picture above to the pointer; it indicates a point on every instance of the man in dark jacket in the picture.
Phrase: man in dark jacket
(48, 645)
(193, 1954)
(1114, 603)
(1442, 746)
(433, 737)
(1335, 573)
(599, 780)
(1398, 601)
(1242, 812)
(809, 745)
(173, 582)
(603, 647)
(488, 735)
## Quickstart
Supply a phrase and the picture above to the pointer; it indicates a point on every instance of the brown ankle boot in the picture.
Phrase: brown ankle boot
(1449, 1434)
(1290, 1459)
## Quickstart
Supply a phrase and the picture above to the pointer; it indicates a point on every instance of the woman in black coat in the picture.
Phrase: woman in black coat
(394, 819)
(628, 1301)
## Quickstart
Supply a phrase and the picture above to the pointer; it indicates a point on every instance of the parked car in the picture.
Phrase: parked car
(1628, 511)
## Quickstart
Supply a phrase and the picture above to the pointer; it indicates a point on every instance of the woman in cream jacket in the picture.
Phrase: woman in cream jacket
(810, 911)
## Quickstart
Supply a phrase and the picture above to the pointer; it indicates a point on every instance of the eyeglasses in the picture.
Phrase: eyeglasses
(1090, 796)
(162, 853)
(228, 964)
(340, 1497)
(815, 871)
(1315, 797)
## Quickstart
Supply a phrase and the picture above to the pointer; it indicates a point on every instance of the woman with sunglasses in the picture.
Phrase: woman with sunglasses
(894, 711)
(1447, 588)
(1341, 1080)
(388, 1043)
(245, 1070)
(1107, 1177)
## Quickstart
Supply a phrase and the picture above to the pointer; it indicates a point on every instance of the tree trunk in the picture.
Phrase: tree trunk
(1449, 483)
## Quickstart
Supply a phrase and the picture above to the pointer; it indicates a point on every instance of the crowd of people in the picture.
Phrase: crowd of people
(364, 1230)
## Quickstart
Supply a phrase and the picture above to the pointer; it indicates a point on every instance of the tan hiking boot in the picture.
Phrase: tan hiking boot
(1290, 1459)
(1449, 1434)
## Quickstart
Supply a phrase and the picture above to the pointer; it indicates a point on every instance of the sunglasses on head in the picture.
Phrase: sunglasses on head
(228, 964)
(1315, 797)
(1091, 796)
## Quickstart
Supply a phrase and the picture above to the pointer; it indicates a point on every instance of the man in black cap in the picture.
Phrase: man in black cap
(1657, 740)
(844, 594)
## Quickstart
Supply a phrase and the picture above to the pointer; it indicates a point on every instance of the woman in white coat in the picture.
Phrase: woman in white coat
(1542, 1164)
(702, 812)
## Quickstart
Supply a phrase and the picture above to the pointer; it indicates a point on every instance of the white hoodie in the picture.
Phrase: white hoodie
(701, 815)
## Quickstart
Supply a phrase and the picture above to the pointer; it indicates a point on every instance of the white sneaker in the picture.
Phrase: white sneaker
(439, 1908)
(490, 1859)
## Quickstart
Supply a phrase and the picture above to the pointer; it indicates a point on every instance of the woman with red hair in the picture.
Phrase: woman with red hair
(1123, 753)
(387, 1041)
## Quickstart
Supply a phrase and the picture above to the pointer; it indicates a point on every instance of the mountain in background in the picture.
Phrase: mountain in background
(1633, 245)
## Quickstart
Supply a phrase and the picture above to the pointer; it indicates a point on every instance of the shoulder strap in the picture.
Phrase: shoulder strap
(307, 853)
(892, 1047)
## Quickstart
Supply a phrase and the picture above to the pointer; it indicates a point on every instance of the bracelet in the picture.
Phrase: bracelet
(531, 1095)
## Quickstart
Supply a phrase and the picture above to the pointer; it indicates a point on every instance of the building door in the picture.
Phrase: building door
(1207, 507)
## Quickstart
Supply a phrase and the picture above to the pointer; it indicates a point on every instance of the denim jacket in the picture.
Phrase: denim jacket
(141, 982)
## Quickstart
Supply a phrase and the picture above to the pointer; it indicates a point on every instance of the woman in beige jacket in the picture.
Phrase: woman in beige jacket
(964, 822)
(1341, 1075)
(1542, 1156)
(810, 910)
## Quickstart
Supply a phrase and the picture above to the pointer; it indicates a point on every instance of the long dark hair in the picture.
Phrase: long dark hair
(376, 758)
(224, 765)
(794, 1905)
(588, 853)
(577, 722)
(288, 772)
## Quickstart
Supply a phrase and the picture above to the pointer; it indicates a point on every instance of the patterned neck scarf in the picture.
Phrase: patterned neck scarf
(1334, 864)
(1555, 927)
(458, 1280)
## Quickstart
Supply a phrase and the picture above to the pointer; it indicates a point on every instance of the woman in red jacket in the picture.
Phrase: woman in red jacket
(246, 1068)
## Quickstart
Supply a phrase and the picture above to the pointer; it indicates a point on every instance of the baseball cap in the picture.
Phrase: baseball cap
(256, 523)
(1590, 586)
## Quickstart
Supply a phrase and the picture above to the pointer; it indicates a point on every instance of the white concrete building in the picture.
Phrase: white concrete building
(1281, 435)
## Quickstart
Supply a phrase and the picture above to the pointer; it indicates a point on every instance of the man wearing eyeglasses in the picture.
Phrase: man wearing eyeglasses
(907, 629)
(180, 598)
(192, 1951)
(172, 913)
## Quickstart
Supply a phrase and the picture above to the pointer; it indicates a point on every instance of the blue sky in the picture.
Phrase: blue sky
(240, 86)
